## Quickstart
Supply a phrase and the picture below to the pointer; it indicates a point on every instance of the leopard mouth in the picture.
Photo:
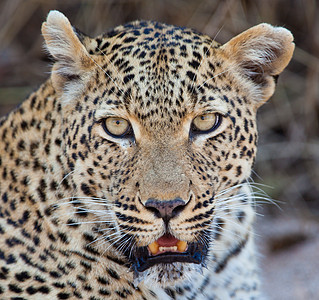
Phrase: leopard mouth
(166, 250)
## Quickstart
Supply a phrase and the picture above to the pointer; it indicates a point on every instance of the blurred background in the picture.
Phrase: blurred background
(287, 166)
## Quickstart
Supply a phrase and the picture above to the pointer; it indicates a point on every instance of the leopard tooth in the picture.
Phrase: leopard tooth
(171, 248)
(154, 247)
(181, 246)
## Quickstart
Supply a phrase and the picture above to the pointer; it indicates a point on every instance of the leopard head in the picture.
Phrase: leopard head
(159, 135)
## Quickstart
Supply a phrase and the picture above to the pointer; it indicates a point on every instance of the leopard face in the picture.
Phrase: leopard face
(158, 122)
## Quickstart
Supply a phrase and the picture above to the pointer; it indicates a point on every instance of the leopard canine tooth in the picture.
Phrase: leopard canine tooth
(181, 246)
(154, 247)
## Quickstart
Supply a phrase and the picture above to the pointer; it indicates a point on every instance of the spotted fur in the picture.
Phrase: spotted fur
(74, 198)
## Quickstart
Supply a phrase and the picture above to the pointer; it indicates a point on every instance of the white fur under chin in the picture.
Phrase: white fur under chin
(165, 275)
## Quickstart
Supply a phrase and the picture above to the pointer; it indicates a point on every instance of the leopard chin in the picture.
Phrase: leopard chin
(165, 275)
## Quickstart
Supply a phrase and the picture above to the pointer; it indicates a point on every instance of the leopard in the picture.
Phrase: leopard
(127, 173)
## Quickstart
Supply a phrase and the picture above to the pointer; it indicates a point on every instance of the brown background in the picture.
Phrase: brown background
(288, 157)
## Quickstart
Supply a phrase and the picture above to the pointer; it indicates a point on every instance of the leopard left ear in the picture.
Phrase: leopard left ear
(72, 61)
(260, 54)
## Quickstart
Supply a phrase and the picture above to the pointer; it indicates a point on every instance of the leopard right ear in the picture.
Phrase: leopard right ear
(72, 61)
(260, 54)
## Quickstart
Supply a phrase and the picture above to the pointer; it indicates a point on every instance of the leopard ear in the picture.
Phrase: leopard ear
(72, 61)
(261, 53)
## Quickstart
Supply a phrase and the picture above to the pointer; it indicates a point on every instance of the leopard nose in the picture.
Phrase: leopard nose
(165, 209)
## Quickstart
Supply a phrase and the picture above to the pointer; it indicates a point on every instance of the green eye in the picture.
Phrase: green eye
(206, 123)
(117, 127)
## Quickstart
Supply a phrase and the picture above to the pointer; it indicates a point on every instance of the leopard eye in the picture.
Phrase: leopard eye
(206, 123)
(117, 127)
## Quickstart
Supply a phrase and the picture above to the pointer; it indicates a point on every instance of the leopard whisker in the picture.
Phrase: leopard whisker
(125, 244)
(113, 66)
(114, 241)
(205, 55)
(211, 78)
(219, 229)
(84, 197)
(104, 236)
(110, 77)
(91, 222)
(65, 177)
